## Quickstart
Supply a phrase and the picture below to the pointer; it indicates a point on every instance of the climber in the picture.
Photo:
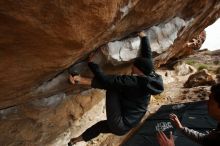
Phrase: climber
(127, 96)
(210, 139)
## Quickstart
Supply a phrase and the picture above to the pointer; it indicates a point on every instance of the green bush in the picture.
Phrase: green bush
(202, 66)
(190, 62)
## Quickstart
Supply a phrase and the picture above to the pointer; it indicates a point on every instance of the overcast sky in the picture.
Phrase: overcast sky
(212, 41)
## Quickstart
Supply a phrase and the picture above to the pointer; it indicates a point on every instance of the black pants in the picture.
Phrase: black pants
(114, 123)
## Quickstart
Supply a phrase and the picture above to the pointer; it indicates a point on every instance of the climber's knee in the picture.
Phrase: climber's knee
(119, 132)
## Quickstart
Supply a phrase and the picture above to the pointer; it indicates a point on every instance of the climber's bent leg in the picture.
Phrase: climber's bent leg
(95, 130)
(114, 113)
(114, 123)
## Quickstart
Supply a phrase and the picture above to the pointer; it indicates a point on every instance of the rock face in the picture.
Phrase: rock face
(201, 78)
(183, 69)
(40, 121)
(161, 37)
(40, 40)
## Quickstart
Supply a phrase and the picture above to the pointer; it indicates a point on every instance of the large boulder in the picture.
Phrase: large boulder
(40, 39)
(200, 78)
(40, 121)
(183, 69)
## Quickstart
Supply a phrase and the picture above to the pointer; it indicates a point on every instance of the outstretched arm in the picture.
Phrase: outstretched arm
(104, 81)
(190, 133)
(145, 46)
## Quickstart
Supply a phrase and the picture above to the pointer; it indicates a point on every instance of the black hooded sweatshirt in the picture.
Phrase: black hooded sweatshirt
(135, 91)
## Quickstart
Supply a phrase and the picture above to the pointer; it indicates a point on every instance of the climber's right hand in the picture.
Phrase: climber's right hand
(141, 34)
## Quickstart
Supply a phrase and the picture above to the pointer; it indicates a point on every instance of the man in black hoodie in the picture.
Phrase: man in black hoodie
(127, 96)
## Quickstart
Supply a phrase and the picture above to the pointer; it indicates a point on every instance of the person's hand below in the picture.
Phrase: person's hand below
(175, 120)
(141, 34)
(74, 79)
(164, 140)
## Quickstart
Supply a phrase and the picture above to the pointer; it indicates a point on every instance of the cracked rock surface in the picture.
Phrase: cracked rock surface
(40, 40)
